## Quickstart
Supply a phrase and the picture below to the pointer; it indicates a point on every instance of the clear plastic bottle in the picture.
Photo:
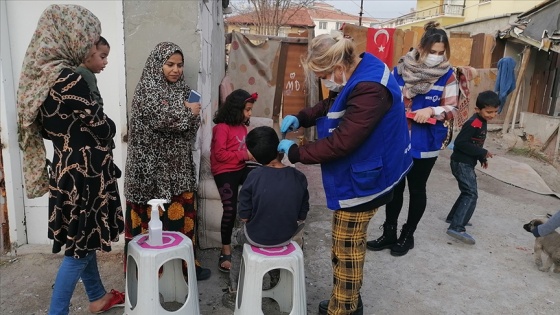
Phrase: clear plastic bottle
(155, 227)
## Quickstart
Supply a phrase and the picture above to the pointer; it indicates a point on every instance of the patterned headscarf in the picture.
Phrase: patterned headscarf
(153, 86)
(417, 76)
(64, 35)
(159, 163)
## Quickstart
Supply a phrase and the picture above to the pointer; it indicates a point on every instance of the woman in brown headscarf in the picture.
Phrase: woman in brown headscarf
(54, 101)
(159, 165)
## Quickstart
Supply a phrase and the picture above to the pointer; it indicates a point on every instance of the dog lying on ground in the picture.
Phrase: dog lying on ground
(550, 244)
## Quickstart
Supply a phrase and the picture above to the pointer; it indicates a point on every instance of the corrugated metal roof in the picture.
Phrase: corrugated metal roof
(539, 26)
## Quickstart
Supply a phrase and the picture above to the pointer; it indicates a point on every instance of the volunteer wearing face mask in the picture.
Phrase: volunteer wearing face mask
(363, 149)
(430, 91)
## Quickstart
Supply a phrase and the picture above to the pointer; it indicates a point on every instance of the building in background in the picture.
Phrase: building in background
(320, 17)
(451, 12)
(328, 18)
(294, 20)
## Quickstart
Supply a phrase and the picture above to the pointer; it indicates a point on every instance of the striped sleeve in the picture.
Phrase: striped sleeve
(448, 105)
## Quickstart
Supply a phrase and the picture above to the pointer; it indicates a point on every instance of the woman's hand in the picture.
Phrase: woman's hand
(251, 157)
(422, 115)
(195, 107)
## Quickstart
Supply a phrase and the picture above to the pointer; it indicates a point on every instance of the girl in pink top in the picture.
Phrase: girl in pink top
(228, 155)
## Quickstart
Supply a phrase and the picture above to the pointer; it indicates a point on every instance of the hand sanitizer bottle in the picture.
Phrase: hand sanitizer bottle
(155, 226)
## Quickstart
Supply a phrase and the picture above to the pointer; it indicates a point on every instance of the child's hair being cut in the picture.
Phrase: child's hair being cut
(263, 142)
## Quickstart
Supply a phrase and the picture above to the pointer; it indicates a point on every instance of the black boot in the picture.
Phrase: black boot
(324, 307)
(387, 240)
(405, 242)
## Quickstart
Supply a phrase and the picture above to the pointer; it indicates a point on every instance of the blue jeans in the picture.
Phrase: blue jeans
(70, 271)
(464, 206)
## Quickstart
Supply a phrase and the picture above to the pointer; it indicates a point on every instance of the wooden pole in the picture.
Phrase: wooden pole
(515, 95)
(519, 95)
(557, 148)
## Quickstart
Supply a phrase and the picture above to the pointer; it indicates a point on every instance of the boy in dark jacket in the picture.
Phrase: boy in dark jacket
(468, 149)
(273, 201)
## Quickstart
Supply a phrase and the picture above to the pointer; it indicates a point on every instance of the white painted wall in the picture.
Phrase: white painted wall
(28, 217)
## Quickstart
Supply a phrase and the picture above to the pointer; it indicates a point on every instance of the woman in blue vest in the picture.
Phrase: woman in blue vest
(363, 149)
(430, 90)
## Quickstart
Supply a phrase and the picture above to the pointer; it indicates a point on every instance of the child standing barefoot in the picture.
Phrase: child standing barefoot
(228, 155)
(468, 149)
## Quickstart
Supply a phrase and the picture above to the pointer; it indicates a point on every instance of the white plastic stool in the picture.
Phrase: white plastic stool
(144, 283)
(290, 290)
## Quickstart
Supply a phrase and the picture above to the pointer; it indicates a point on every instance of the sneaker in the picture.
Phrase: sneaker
(462, 236)
(449, 221)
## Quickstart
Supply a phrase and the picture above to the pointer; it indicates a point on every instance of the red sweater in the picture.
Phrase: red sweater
(228, 152)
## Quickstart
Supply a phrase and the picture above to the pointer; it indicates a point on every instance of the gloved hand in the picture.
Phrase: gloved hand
(284, 145)
(289, 123)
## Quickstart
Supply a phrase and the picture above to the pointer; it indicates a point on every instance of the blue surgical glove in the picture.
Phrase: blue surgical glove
(289, 123)
(285, 145)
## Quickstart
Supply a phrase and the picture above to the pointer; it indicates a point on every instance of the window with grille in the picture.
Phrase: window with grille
(322, 25)
(283, 31)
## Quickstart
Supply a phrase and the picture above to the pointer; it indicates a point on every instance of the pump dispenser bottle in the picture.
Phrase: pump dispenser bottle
(155, 226)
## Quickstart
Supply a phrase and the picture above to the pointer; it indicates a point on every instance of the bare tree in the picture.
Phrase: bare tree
(270, 15)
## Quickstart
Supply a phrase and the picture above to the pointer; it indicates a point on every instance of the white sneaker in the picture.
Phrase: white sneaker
(462, 236)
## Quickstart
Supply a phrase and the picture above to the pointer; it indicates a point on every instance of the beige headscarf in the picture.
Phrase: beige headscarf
(64, 35)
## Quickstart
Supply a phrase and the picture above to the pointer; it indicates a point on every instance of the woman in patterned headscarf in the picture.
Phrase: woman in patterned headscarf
(163, 127)
(85, 212)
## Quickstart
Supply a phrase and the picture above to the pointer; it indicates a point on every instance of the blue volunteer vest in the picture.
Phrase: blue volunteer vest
(375, 167)
(426, 139)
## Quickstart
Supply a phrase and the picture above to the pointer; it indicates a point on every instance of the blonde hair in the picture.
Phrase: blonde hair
(327, 51)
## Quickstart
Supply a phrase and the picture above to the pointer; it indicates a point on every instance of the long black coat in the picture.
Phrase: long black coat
(85, 212)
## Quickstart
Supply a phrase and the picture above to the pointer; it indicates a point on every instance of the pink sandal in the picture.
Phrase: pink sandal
(116, 301)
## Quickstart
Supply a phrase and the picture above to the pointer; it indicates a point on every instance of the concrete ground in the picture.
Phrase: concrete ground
(438, 276)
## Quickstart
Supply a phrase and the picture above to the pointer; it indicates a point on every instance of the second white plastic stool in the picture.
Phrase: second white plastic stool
(290, 290)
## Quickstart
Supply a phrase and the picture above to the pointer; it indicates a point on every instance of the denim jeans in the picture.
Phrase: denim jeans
(464, 206)
(70, 271)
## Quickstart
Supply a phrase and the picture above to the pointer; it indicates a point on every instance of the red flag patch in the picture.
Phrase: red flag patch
(477, 123)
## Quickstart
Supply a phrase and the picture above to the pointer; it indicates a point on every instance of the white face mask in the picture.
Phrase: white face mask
(433, 60)
(333, 86)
